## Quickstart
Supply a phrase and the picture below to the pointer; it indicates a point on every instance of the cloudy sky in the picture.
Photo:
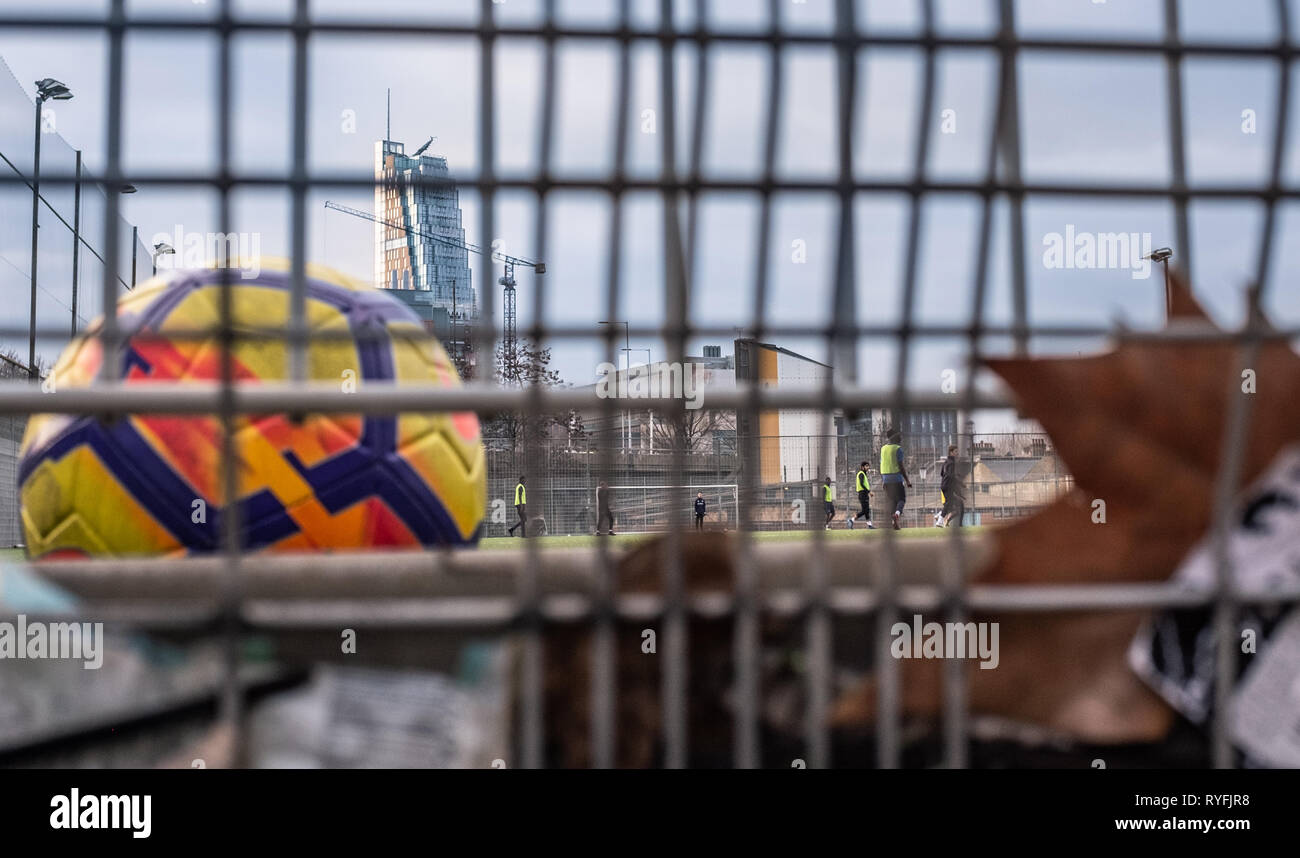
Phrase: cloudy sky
(1084, 118)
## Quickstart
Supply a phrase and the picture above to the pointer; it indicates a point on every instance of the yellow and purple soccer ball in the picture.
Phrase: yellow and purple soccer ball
(148, 484)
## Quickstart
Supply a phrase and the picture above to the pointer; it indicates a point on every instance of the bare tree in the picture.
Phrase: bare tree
(530, 368)
(689, 429)
(12, 366)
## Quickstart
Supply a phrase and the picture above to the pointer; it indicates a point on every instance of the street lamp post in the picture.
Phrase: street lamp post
(47, 89)
(135, 236)
(650, 414)
(627, 351)
(627, 338)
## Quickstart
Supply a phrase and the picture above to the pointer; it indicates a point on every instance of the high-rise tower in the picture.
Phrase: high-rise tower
(431, 276)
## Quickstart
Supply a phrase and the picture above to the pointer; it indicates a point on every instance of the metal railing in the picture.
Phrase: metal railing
(241, 591)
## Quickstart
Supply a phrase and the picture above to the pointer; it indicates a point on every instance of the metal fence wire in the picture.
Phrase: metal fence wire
(526, 589)
(1006, 475)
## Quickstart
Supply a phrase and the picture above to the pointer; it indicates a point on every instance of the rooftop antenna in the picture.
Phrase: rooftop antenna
(388, 128)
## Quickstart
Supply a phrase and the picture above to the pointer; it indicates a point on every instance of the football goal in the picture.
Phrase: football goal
(643, 509)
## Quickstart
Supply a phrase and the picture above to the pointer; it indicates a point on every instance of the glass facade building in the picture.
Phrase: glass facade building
(406, 260)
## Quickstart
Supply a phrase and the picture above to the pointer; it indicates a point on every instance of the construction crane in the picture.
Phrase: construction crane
(509, 339)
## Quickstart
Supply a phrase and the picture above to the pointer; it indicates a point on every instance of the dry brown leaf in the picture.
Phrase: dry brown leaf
(1141, 428)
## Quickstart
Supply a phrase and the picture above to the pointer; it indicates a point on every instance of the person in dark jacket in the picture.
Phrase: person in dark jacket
(863, 483)
(700, 508)
(954, 492)
(604, 513)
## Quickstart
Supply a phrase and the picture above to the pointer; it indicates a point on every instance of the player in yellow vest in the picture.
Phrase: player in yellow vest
(894, 475)
(828, 501)
(863, 485)
(521, 505)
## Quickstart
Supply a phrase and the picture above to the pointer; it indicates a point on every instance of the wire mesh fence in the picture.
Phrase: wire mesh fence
(1008, 477)
(67, 291)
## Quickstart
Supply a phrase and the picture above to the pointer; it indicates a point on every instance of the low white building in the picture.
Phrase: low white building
(794, 444)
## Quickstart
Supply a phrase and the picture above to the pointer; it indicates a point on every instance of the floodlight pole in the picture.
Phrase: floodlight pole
(76, 240)
(36, 213)
(46, 88)
(1163, 255)
(627, 351)
(1169, 295)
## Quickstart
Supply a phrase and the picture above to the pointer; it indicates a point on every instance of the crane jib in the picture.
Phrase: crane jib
(538, 267)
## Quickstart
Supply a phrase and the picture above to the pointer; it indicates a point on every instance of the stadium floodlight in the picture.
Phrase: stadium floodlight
(162, 248)
(47, 89)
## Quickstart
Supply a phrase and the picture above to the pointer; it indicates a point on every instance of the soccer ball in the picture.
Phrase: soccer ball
(152, 483)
